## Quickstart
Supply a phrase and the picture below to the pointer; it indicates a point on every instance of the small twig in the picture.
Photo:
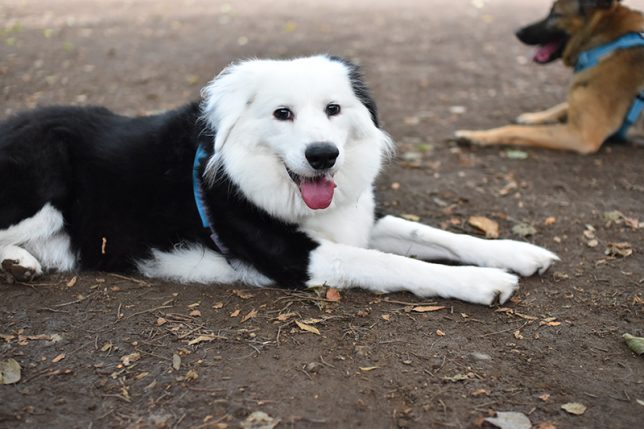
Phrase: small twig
(52, 310)
(118, 312)
(325, 362)
(78, 300)
(141, 282)
(113, 395)
(150, 310)
(416, 304)
(503, 331)
(306, 373)
(176, 425)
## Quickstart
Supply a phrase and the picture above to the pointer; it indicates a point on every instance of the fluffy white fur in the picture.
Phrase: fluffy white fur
(239, 104)
(37, 242)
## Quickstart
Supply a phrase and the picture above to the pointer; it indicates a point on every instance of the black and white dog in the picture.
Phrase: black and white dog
(268, 181)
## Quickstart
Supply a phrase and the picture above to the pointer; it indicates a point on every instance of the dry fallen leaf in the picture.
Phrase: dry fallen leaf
(259, 420)
(72, 281)
(516, 154)
(58, 358)
(524, 230)
(285, 316)
(368, 368)
(622, 249)
(191, 375)
(251, 314)
(332, 294)
(386, 317)
(218, 305)
(632, 223)
(10, 371)
(129, 359)
(459, 377)
(411, 217)
(440, 333)
(488, 226)
(550, 220)
(510, 420)
(161, 321)
(544, 397)
(574, 408)
(235, 313)
(427, 308)
(201, 339)
(480, 392)
(176, 362)
(634, 343)
(243, 294)
(613, 217)
(308, 328)
(195, 313)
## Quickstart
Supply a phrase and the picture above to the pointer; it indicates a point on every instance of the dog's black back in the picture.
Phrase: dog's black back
(99, 169)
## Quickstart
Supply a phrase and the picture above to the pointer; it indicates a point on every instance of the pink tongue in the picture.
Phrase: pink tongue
(545, 52)
(317, 194)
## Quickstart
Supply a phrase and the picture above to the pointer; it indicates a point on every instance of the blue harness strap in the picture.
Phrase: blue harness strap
(592, 57)
(196, 188)
(200, 156)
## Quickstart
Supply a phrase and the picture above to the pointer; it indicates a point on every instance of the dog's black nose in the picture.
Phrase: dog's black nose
(321, 155)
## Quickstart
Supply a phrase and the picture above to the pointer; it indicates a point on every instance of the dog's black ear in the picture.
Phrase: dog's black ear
(359, 87)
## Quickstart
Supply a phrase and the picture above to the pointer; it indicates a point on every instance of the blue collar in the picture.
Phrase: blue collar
(200, 156)
(196, 185)
(592, 57)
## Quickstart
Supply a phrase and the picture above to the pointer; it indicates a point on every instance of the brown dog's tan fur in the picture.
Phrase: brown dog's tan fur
(598, 98)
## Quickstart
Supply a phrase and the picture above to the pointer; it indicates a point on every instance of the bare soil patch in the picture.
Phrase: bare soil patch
(112, 351)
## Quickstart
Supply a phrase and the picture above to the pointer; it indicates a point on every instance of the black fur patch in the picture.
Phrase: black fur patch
(123, 179)
(360, 88)
(248, 233)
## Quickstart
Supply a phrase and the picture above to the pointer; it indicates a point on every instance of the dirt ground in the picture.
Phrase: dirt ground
(100, 350)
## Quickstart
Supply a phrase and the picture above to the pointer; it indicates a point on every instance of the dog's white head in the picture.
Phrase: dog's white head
(295, 135)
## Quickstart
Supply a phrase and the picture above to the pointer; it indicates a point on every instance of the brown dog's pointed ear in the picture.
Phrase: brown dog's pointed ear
(605, 4)
(588, 5)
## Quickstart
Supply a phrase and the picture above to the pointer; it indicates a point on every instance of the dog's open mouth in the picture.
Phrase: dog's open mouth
(317, 192)
(550, 51)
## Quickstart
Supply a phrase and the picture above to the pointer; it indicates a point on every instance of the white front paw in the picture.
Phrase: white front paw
(522, 258)
(483, 285)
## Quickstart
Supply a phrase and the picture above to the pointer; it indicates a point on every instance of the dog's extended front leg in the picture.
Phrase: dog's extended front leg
(403, 237)
(345, 266)
(554, 114)
(559, 137)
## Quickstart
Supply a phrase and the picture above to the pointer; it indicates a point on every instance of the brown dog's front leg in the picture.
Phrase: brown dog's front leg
(552, 115)
(558, 137)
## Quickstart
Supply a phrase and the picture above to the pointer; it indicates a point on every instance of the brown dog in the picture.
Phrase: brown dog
(603, 41)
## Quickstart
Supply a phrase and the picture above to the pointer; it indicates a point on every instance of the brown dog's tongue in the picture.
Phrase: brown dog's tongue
(546, 51)
(317, 193)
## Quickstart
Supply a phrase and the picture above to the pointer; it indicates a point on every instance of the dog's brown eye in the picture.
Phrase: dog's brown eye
(333, 109)
(283, 114)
